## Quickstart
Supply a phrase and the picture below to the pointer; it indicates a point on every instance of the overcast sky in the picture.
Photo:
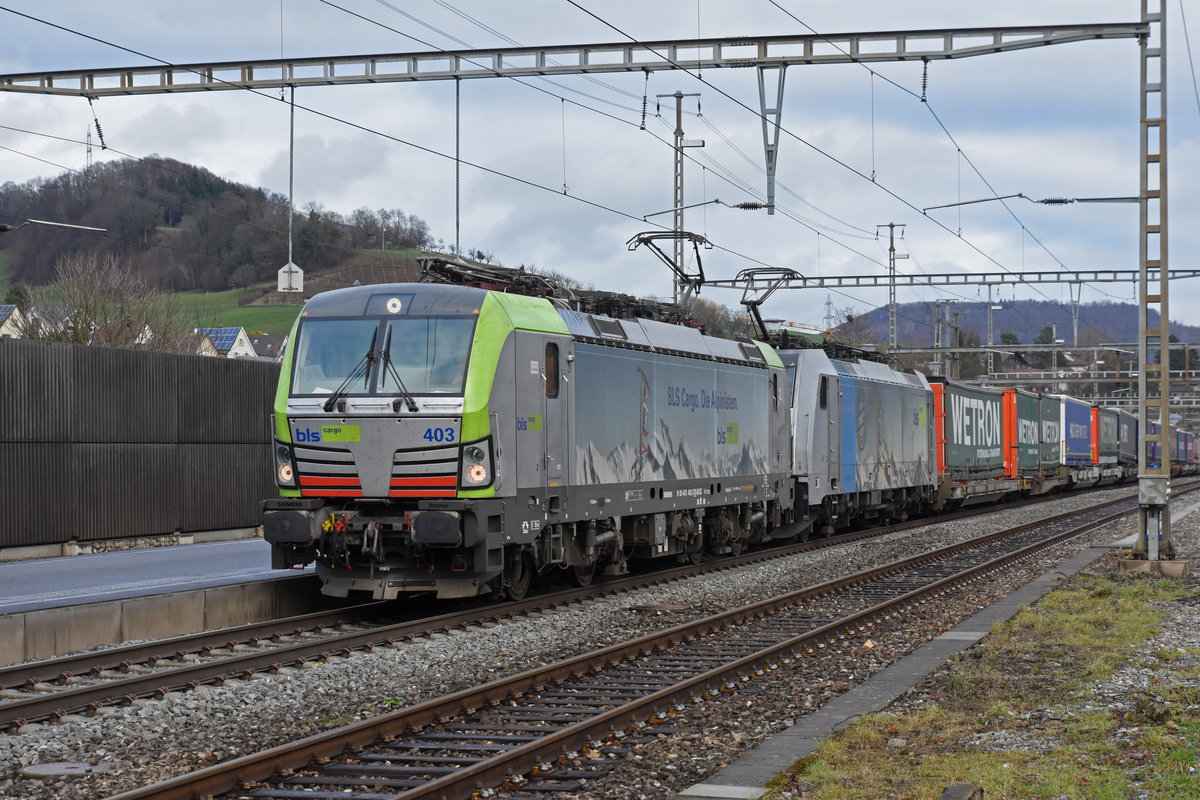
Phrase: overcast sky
(1056, 121)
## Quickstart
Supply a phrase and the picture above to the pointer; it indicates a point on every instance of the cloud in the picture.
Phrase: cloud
(1048, 121)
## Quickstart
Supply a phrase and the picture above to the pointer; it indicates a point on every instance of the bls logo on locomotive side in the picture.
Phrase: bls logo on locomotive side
(307, 435)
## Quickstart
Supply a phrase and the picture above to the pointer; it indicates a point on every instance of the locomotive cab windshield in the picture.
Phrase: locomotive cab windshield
(382, 356)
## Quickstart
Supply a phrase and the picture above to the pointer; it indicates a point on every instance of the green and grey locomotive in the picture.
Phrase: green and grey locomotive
(456, 440)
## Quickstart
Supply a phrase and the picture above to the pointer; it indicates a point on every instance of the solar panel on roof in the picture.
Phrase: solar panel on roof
(222, 338)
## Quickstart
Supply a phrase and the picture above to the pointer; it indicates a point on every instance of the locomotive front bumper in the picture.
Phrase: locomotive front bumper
(292, 521)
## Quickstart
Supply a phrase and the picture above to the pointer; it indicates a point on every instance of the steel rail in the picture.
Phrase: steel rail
(257, 767)
(171, 677)
(83, 698)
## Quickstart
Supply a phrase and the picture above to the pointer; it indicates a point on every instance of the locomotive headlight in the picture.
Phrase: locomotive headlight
(478, 470)
(285, 467)
(477, 474)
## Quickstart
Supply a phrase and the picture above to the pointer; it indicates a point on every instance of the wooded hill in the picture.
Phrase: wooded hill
(184, 228)
(1102, 322)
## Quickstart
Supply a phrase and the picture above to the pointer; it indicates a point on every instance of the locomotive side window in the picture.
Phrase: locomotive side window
(774, 391)
(823, 392)
(551, 370)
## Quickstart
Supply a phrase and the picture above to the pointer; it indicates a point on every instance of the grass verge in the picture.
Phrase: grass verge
(1018, 714)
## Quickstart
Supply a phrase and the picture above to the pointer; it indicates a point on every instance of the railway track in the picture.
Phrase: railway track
(81, 683)
(553, 724)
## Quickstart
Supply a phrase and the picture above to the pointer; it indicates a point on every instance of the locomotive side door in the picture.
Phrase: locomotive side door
(541, 420)
(555, 442)
(829, 403)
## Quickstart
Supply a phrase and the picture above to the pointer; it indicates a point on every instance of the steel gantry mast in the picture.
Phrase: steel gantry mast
(1154, 468)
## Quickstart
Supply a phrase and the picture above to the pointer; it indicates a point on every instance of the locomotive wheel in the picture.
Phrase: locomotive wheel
(583, 575)
(518, 575)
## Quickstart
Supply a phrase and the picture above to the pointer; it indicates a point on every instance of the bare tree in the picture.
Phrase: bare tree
(719, 320)
(852, 328)
(99, 300)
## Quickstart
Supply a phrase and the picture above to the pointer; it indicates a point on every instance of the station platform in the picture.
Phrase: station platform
(56, 606)
(43, 583)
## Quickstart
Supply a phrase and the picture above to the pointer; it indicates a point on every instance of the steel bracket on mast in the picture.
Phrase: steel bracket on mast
(770, 125)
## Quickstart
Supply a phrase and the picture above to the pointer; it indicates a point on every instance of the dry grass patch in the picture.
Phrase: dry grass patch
(1012, 714)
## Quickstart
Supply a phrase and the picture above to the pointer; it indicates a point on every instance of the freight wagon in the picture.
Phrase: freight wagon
(1106, 444)
(970, 445)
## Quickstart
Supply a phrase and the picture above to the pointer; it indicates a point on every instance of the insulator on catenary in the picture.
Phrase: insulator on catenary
(96, 119)
(749, 206)
(1056, 201)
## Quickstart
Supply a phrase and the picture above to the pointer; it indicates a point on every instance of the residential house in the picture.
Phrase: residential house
(230, 342)
(12, 321)
(268, 346)
(195, 344)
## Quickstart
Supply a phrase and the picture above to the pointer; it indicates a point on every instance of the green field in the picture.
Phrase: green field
(212, 309)
(221, 309)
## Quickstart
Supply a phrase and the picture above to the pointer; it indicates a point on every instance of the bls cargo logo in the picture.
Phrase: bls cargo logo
(328, 433)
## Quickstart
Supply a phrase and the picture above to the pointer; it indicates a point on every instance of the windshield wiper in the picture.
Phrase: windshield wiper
(405, 395)
(363, 367)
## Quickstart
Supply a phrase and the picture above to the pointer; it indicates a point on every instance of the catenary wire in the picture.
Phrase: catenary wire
(822, 152)
(803, 141)
(962, 154)
(398, 140)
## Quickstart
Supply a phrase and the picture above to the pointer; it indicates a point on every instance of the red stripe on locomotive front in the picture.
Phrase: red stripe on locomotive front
(342, 481)
(432, 480)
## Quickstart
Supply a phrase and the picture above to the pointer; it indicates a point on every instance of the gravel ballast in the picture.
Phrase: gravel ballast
(151, 740)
